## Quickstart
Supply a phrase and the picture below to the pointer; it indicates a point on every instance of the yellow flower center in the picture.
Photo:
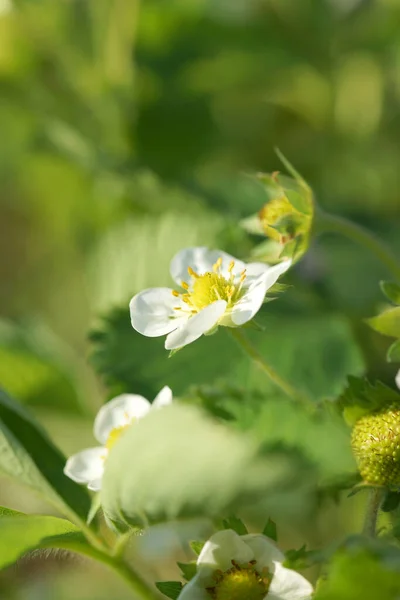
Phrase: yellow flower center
(115, 434)
(210, 287)
(241, 583)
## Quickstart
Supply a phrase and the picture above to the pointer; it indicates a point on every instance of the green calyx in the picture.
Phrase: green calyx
(376, 446)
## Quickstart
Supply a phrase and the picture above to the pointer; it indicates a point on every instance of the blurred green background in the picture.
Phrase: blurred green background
(129, 130)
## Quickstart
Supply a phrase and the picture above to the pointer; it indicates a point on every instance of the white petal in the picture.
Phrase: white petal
(120, 411)
(255, 270)
(86, 466)
(95, 485)
(194, 591)
(153, 314)
(397, 379)
(218, 553)
(289, 585)
(252, 300)
(272, 275)
(202, 260)
(194, 327)
(249, 304)
(163, 398)
(265, 551)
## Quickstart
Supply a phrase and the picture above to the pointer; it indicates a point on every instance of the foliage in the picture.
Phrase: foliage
(132, 130)
(127, 360)
(21, 534)
(28, 455)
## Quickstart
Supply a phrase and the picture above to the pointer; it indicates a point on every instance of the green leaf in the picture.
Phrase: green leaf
(171, 589)
(188, 570)
(197, 547)
(29, 456)
(393, 354)
(320, 438)
(36, 367)
(391, 291)
(21, 533)
(189, 466)
(236, 524)
(270, 530)
(362, 397)
(387, 323)
(130, 362)
(9, 512)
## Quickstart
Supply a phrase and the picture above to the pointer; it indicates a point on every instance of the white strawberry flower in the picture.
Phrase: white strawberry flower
(244, 567)
(216, 289)
(111, 421)
(397, 379)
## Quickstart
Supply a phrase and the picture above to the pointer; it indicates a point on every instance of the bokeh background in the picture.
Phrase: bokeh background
(129, 129)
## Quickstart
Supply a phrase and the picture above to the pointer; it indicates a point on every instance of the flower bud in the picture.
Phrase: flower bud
(287, 218)
(376, 446)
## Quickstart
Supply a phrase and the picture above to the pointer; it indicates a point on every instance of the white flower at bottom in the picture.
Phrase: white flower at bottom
(244, 567)
(111, 421)
(217, 289)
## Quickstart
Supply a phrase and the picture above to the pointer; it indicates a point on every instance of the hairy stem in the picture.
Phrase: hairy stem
(371, 515)
(135, 581)
(325, 223)
(251, 351)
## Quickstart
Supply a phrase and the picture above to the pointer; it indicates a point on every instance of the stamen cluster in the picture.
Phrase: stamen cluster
(241, 582)
(210, 287)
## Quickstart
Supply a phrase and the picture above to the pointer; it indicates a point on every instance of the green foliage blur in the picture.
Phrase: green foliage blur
(130, 129)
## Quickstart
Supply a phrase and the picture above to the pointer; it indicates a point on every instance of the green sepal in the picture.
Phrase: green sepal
(391, 291)
(171, 589)
(254, 324)
(387, 323)
(211, 331)
(197, 547)
(294, 248)
(236, 524)
(173, 352)
(393, 354)
(189, 570)
(300, 202)
(270, 530)
(289, 225)
(361, 398)
(290, 168)
(298, 559)
(278, 288)
(94, 508)
(358, 488)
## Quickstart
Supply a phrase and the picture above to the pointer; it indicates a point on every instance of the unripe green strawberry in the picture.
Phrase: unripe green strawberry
(376, 445)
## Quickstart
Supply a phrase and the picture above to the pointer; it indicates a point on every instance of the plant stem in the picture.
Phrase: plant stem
(97, 549)
(104, 555)
(325, 223)
(141, 588)
(251, 351)
(371, 516)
